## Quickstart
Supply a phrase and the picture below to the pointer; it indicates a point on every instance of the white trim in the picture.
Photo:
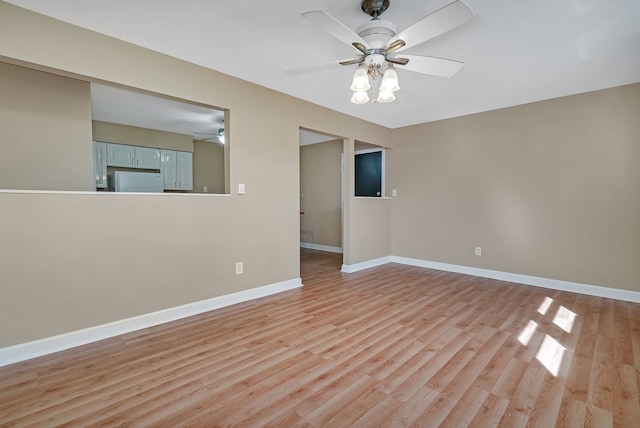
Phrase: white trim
(373, 197)
(365, 265)
(51, 192)
(320, 247)
(105, 193)
(49, 345)
(555, 284)
(366, 151)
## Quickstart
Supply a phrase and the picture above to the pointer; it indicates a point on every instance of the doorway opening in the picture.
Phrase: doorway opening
(321, 199)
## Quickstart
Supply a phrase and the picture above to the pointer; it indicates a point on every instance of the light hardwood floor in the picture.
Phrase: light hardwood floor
(389, 346)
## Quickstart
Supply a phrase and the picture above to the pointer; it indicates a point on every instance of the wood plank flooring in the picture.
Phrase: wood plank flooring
(389, 346)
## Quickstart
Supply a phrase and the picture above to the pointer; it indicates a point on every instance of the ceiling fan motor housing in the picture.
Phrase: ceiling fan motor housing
(377, 32)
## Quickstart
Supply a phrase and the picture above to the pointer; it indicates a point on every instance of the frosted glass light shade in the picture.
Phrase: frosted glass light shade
(389, 81)
(385, 96)
(360, 80)
(360, 97)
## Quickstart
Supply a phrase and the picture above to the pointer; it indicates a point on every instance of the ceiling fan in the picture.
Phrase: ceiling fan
(378, 44)
(215, 135)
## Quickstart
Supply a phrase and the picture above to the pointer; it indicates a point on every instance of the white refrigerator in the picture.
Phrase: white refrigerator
(124, 181)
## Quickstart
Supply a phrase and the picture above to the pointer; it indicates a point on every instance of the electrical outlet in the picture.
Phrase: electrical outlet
(394, 193)
(205, 189)
(239, 268)
(478, 251)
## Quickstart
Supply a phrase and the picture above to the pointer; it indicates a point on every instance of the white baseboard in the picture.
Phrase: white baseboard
(365, 265)
(49, 345)
(321, 247)
(555, 284)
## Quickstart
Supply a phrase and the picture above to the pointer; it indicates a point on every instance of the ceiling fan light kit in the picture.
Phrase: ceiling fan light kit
(360, 97)
(378, 42)
(361, 85)
(365, 79)
(390, 80)
(360, 80)
(385, 97)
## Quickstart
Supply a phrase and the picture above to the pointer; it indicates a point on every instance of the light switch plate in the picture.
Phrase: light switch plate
(240, 188)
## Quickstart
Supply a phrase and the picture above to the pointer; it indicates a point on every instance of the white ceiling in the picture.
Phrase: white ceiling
(515, 51)
(309, 137)
(127, 107)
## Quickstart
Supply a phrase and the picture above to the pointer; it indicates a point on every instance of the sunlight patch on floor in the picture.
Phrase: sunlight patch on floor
(544, 306)
(525, 335)
(564, 319)
(550, 354)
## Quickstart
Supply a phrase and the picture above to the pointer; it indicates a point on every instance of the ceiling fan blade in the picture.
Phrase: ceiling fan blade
(437, 23)
(334, 27)
(352, 61)
(394, 46)
(319, 67)
(399, 61)
(360, 47)
(432, 66)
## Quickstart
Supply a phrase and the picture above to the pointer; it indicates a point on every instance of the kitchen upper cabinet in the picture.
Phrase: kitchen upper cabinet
(177, 170)
(133, 156)
(120, 155)
(169, 169)
(184, 164)
(100, 164)
(147, 157)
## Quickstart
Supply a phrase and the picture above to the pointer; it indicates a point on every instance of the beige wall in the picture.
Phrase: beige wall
(549, 189)
(136, 136)
(370, 231)
(70, 261)
(208, 166)
(45, 125)
(367, 221)
(320, 187)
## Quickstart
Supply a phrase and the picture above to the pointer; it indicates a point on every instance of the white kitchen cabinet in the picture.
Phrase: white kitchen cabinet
(177, 170)
(100, 164)
(147, 157)
(168, 169)
(185, 170)
(133, 156)
(120, 155)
